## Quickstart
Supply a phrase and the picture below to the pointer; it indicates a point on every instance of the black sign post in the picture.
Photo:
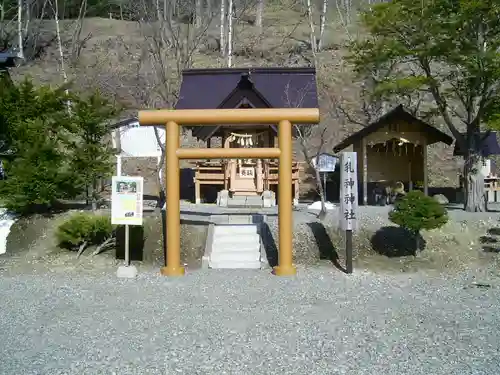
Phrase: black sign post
(348, 201)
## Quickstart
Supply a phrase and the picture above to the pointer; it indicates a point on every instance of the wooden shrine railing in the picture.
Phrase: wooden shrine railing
(218, 173)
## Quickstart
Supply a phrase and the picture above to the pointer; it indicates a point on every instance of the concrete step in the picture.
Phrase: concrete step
(234, 265)
(234, 229)
(235, 256)
(236, 247)
(231, 239)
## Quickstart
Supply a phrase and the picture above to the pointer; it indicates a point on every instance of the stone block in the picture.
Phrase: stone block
(222, 198)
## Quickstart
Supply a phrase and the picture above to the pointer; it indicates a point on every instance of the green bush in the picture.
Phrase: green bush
(83, 230)
(416, 211)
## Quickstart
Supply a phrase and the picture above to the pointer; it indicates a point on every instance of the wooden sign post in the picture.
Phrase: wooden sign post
(348, 201)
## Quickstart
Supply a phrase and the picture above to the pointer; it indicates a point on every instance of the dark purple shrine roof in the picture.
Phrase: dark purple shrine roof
(261, 87)
(7, 60)
(489, 145)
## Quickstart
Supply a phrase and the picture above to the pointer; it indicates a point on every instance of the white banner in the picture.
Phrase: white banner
(127, 200)
(348, 190)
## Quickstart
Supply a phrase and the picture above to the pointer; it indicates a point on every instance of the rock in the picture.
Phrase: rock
(441, 199)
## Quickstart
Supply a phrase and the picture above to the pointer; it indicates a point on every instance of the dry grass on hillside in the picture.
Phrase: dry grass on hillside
(116, 60)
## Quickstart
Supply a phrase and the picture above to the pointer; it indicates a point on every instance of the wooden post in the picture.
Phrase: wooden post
(260, 176)
(426, 178)
(232, 174)
(285, 214)
(364, 157)
(173, 249)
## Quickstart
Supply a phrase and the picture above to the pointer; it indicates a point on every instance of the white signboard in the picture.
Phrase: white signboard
(126, 200)
(348, 190)
(139, 142)
(325, 162)
(247, 172)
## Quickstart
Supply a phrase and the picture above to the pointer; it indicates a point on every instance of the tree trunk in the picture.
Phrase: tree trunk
(322, 23)
(160, 169)
(475, 198)
(20, 52)
(197, 16)
(260, 11)
(312, 35)
(416, 235)
(27, 19)
(348, 9)
(209, 11)
(158, 11)
(60, 49)
(93, 195)
(222, 24)
(230, 34)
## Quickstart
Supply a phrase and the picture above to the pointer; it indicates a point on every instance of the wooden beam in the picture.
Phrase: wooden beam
(200, 117)
(228, 153)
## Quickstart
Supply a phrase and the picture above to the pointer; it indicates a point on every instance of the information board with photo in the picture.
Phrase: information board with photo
(127, 200)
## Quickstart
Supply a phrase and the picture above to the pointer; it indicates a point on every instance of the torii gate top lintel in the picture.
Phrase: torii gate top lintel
(201, 117)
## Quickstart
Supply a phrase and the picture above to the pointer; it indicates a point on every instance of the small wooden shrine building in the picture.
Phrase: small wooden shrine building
(393, 150)
(244, 88)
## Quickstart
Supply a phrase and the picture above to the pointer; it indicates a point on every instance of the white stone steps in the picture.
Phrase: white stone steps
(235, 229)
(234, 239)
(235, 243)
(240, 256)
(235, 265)
(235, 248)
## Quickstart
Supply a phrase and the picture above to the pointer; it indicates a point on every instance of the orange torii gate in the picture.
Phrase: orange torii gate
(199, 117)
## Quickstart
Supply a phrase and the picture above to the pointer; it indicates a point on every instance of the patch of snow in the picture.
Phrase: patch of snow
(6, 221)
(317, 206)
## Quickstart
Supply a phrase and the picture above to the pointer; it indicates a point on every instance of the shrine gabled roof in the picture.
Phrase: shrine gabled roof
(489, 145)
(259, 87)
(396, 114)
(281, 87)
(7, 60)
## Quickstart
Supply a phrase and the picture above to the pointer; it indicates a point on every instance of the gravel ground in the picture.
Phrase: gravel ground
(249, 322)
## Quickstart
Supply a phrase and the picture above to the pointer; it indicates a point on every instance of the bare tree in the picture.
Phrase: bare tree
(20, 39)
(322, 22)
(230, 16)
(198, 13)
(170, 47)
(367, 107)
(312, 33)
(77, 42)
(62, 65)
(222, 27)
(312, 141)
(259, 13)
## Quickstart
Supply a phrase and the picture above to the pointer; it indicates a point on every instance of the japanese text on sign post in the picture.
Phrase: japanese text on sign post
(348, 190)
(126, 200)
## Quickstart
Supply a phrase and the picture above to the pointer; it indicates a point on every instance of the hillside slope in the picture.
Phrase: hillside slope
(118, 59)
